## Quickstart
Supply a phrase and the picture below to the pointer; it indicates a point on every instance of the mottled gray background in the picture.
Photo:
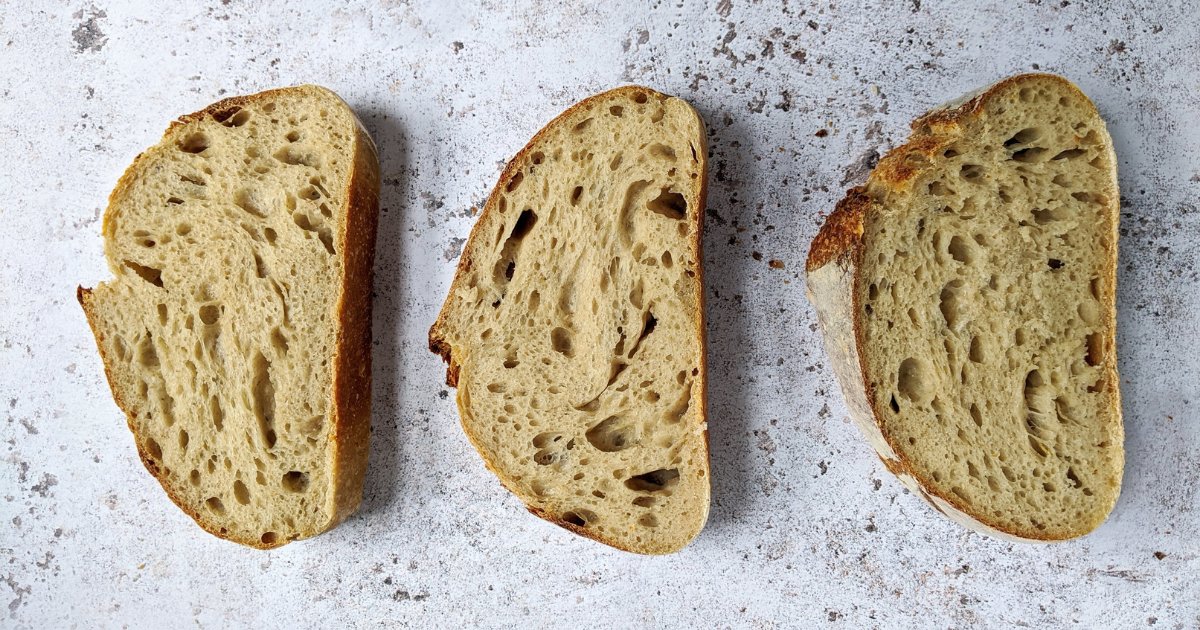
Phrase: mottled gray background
(807, 528)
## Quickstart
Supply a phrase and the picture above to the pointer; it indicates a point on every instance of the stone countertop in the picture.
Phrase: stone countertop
(807, 528)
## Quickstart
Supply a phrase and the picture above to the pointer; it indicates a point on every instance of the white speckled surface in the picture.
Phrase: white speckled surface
(807, 528)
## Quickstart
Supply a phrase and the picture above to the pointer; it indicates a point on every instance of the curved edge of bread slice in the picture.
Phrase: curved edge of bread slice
(837, 288)
(447, 340)
(348, 396)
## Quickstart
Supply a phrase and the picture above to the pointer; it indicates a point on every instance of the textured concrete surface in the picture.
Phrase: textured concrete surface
(807, 528)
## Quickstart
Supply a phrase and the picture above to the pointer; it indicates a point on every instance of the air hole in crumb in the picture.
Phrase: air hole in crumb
(648, 520)
(575, 194)
(1030, 155)
(579, 128)
(279, 342)
(1024, 136)
(940, 189)
(616, 110)
(269, 538)
(669, 204)
(948, 303)
(611, 435)
(976, 415)
(506, 266)
(194, 143)
(295, 481)
(574, 519)
(238, 119)
(241, 493)
(149, 274)
(976, 353)
(218, 415)
(1054, 263)
(515, 181)
(224, 114)
(1095, 349)
(209, 314)
(960, 250)
(910, 380)
(640, 98)
(293, 136)
(194, 477)
(560, 340)
(1044, 216)
(295, 157)
(661, 480)
(215, 506)
(153, 449)
(971, 172)
(1069, 154)
(662, 152)
(1074, 478)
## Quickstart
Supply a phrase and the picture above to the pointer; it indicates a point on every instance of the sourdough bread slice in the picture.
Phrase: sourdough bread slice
(236, 334)
(967, 298)
(574, 328)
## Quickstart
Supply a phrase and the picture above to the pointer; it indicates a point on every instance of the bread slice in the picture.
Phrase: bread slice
(967, 297)
(574, 329)
(236, 334)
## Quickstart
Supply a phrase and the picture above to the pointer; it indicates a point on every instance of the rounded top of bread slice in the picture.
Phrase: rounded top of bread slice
(574, 328)
(982, 256)
(236, 326)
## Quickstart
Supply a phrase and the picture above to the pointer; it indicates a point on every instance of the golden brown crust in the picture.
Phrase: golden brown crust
(839, 242)
(440, 345)
(842, 232)
(352, 360)
(351, 396)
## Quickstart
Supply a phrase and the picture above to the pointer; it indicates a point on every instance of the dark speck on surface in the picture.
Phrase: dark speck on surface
(87, 34)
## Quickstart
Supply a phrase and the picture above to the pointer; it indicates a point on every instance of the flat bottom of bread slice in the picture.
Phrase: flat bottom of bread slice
(983, 307)
(575, 325)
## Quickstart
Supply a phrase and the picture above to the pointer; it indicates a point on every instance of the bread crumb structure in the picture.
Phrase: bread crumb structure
(575, 325)
(967, 294)
(236, 332)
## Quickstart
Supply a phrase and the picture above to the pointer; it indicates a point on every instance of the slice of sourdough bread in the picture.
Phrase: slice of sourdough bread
(574, 328)
(236, 334)
(967, 297)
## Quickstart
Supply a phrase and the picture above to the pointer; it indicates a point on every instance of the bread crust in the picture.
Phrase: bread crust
(440, 345)
(833, 281)
(350, 398)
